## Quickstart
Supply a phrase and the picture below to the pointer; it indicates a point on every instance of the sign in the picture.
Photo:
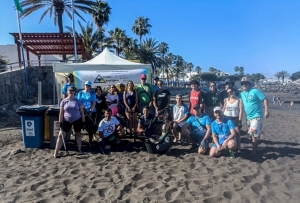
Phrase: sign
(105, 78)
(29, 128)
(56, 128)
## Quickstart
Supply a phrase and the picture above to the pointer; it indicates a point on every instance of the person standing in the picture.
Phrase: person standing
(274, 99)
(100, 104)
(155, 87)
(196, 96)
(161, 98)
(223, 134)
(70, 114)
(130, 98)
(64, 91)
(88, 99)
(121, 106)
(112, 100)
(145, 93)
(233, 110)
(211, 100)
(253, 101)
(180, 113)
(224, 94)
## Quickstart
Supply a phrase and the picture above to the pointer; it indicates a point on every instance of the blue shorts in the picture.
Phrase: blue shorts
(221, 141)
(197, 138)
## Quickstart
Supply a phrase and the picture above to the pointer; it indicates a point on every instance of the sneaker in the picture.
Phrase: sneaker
(231, 154)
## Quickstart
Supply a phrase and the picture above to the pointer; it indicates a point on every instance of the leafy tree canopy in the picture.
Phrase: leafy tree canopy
(295, 76)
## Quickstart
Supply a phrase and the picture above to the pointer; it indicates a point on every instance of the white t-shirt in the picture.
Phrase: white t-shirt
(111, 97)
(233, 109)
(108, 127)
(179, 112)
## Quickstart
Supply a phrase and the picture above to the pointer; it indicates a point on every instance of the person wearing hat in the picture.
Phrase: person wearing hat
(253, 101)
(155, 86)
(223, 134)
(197, 129)
(88, 99)
(211, 100)
(70, 114)
(224, 95)
(145, 92)
(70, 78)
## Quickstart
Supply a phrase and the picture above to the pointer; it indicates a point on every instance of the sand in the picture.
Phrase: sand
(132, 175)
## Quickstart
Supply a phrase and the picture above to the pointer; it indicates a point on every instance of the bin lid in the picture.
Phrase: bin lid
(31, 110)
(53, 110)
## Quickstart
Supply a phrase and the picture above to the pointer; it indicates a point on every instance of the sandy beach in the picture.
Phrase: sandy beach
(131, 175)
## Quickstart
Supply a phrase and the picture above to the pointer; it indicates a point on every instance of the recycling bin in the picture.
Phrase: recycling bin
(53, 113)
(33, 120)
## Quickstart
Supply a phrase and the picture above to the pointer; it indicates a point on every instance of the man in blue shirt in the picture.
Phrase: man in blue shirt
(223, 134)
(253, 101)
(197, 129)
(70, 78)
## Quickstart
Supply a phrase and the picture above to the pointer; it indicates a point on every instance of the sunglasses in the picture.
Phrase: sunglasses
(143, 78)
(217, 112)
(244, 83)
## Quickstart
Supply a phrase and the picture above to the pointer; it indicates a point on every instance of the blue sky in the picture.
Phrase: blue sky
(255, 34)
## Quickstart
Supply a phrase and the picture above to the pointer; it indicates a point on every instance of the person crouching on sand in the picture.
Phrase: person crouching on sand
(223, 134)
(110, 130)
(197, 129)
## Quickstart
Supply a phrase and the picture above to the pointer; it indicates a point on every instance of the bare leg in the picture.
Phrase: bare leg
(134, 117)
(78, 140)
(129, 118)
(59, 143)
(254, 145)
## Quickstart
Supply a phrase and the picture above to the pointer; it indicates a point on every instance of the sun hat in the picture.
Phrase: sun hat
(71, 88)
(217, 108)
(245, 80)
(156, 78)
(227, 81)
(143, 76)
(89, 83)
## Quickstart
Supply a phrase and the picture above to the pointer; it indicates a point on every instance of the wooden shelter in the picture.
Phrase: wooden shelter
(48, 44)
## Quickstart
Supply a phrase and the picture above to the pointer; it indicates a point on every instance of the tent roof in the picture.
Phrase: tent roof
(106, 57)
(104, 61)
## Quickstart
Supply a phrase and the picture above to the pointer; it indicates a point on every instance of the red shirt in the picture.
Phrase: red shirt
(195, 98)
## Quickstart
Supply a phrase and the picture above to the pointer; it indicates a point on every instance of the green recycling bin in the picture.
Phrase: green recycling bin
(32, 119)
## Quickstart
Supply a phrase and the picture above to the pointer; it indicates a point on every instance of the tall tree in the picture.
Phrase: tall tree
(198, 69)
(92, 40)
(101, 12)
(278, 75)
(178, 68)
(212, 70)
(236, 69)
(295, 76)
(163, 49)
(141, 27)
(118, 37)
(190, 67)
(241, 70)
(283, 75)
(57, 7)
(168, 61)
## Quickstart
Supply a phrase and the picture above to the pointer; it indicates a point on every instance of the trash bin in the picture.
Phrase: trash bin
(32, 119)
(53, 113)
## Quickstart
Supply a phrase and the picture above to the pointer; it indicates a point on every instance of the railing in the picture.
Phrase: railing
(16, 65)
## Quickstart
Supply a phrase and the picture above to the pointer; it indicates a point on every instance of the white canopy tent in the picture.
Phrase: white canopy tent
(105, 61)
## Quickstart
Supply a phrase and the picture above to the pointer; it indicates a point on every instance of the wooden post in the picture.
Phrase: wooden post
(19, 54)
(39, 58)
(28, 59)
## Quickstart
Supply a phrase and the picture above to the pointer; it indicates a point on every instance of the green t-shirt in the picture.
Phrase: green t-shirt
(211, 99)
(142, 91)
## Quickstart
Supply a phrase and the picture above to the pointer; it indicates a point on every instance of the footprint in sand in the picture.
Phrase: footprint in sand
(257, 187)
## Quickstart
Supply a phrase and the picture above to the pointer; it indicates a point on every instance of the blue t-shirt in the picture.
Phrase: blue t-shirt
(196, 127)
(222, 130)
(252, 101)
(87, 99)
(155, 88)
(65, 88)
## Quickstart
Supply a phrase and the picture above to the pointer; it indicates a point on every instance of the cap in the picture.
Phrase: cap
(70, 75)
(217, 108)
(245, 80)
(71, 88)
(89, 83)
(156, 78)
(196, 106)
(143, 76)
(227, 81)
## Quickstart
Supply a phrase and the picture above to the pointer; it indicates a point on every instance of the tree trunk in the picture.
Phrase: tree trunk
(61, 29)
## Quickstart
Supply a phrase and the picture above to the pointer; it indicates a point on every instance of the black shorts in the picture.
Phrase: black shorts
(76, 125)
(235, 120)
(111, 139)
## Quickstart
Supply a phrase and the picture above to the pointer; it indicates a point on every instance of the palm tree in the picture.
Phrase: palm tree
(101, 12)
(212, 70)
(92, 40)
(190, 67)
(129, 48)
(241, 70)
(284, 74)
(168, 61)
(58, 7)
(278, 76)
(141, 27)
(118, 38)
(148, 53)
(178, 69)
(236, 69)
(198, 69)
(163, 49)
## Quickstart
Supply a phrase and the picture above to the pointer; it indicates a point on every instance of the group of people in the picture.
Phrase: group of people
(212, 118)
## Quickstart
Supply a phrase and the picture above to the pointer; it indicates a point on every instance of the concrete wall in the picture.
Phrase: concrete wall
(13, 88)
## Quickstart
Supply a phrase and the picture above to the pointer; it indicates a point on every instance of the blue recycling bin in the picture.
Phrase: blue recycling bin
(33, 124)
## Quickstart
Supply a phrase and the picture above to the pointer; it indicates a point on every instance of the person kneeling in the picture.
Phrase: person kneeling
(110, 130)
(223, 134)
(163, 143)
(197, 129)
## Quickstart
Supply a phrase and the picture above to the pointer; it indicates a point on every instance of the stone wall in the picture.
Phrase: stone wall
(12, 84)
